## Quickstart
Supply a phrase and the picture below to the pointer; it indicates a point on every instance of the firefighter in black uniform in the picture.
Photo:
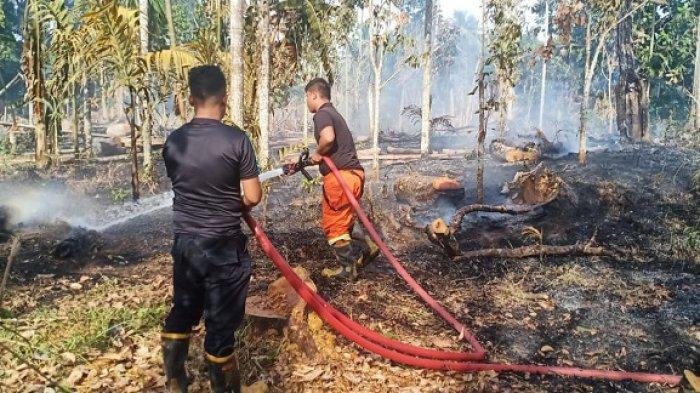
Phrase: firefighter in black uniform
(214, 177)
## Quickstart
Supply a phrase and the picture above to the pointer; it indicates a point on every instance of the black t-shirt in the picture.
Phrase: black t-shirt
(343, 153)
(206, 161)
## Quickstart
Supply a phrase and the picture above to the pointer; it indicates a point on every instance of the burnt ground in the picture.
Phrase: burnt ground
(640, 313)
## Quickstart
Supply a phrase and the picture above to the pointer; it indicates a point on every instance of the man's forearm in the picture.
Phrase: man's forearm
(324, 148)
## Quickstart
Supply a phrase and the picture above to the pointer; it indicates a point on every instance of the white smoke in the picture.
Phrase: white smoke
(31, 205)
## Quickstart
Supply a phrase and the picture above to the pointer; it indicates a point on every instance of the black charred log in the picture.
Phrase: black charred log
(5, 232)
(80, 242)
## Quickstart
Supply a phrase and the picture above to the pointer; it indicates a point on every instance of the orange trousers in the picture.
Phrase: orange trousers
(338, 218)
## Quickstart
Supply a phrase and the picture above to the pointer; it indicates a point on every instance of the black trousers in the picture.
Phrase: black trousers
(210, 277)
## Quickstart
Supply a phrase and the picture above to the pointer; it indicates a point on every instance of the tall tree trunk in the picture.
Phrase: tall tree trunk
(631, 105)
(696, 79)
(530, 97)
(217, 22)
(74, 117)
(53, 127)
(264, 84)
(87, 117)
(134, 147)
(103, 96)
(178, 100)
(427, 70)
(502, 108)
(236, 36)
(35, 83)
(543, 90)
(346, 83)
(402, 104)
(370, 111)
(145, 105)
(377, 59)
(584, 100)
(611, 113)
(143, 26)
(376, 96)
(305, 121)
(481, 136)
(470, 98)
(171, 25)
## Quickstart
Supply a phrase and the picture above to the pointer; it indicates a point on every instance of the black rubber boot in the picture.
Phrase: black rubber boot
(690, 383)
(347, 255)
(224, 376)
(175, 348)
(370, 249)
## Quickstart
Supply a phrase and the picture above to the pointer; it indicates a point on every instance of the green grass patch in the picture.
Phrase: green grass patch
(81, 323)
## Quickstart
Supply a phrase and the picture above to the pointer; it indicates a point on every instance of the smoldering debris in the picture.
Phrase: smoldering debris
(79, 242)
(5, 232)
(511, 153)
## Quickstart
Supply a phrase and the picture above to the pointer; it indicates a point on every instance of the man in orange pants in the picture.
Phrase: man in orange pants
(335, 141)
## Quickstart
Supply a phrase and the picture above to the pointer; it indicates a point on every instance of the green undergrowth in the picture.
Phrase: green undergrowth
(89, 320)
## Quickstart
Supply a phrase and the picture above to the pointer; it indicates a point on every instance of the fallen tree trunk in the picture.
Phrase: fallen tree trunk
(405, 157)
(512, 154)
(538, 250)
(415, 188)
(124, 141)
(402, 150)
(9, 124)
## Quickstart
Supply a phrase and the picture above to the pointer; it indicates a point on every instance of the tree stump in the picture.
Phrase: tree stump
(282, 302)
(538, 186)
(441, 234)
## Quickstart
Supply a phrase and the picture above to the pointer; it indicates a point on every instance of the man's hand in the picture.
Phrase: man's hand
(315, 159)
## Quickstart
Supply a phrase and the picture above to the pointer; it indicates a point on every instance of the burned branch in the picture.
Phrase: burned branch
(457, 218)
(415, 114)
(537, 250)
(14, 250)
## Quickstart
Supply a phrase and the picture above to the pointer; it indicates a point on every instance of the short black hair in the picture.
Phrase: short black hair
(320, 86)
(207, 81)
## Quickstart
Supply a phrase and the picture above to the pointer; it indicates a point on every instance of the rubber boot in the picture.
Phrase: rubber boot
(370, 249)
(175, 348)
(224, 376)
(347, 255)
(690, 383)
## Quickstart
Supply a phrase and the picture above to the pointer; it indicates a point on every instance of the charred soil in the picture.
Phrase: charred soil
(638, 314)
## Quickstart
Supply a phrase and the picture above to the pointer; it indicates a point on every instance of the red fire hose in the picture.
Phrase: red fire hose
(413, 355)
